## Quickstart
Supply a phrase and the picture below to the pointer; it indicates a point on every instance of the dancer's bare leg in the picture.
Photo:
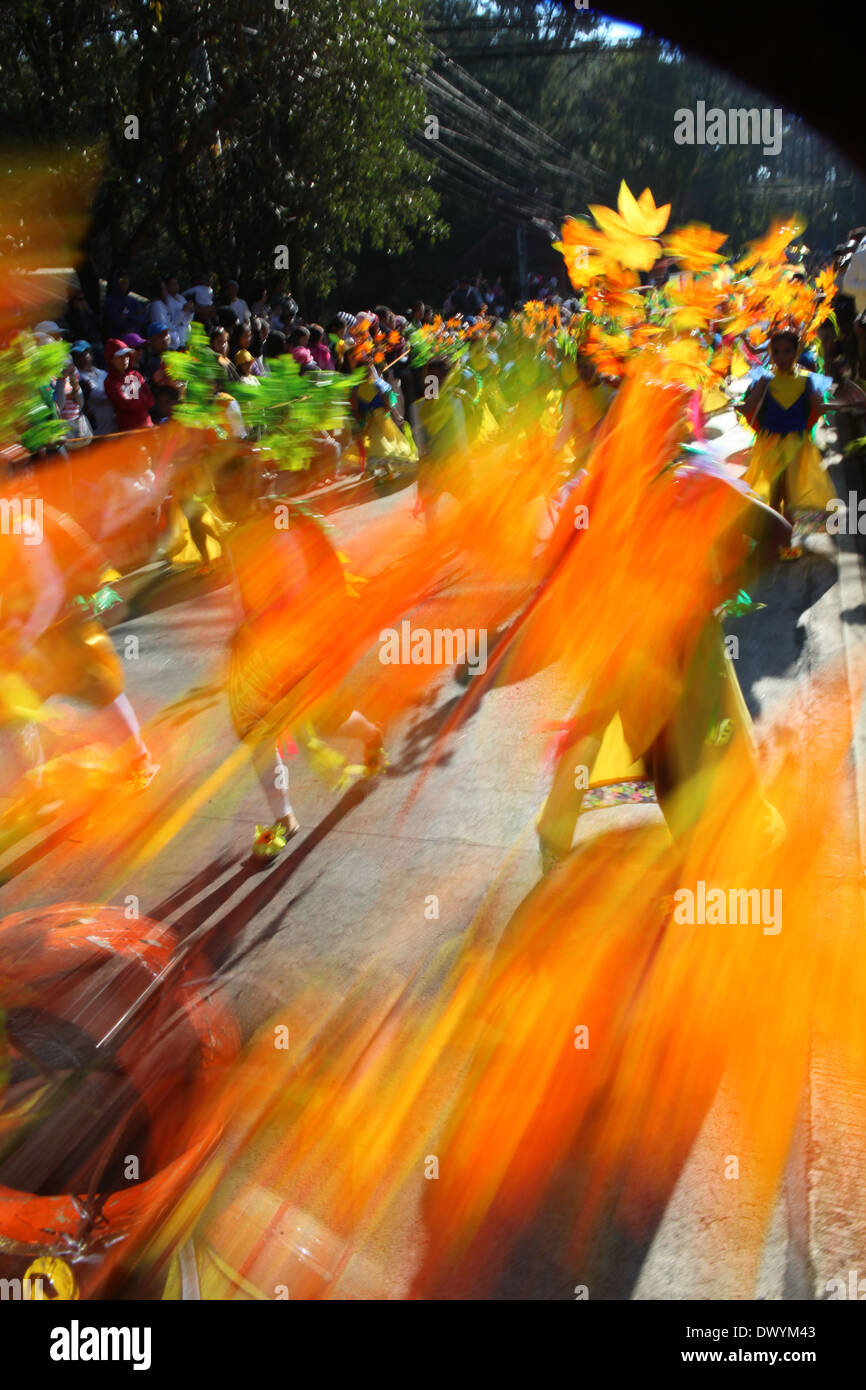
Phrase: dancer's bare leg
(273, 774)
(558, 820)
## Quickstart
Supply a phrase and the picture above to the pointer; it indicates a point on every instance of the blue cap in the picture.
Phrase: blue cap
(80, 346)
(158, 327)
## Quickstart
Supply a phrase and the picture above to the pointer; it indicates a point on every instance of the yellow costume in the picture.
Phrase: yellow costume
(784, 450)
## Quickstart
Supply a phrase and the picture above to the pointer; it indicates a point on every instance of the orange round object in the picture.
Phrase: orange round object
(148, 1089)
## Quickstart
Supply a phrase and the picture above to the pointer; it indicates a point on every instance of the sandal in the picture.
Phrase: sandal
(271, 840)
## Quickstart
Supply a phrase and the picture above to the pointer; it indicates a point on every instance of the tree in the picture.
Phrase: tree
(226, 132)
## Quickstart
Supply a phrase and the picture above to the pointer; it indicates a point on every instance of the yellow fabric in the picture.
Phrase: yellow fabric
(786, 388)
(796, 455)
(18, 700)
(75, 658)
(180, 547)
(615, 762)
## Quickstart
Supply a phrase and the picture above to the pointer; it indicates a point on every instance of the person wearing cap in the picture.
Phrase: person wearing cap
(126, 388)
(97, 406)
(158, 342)
(136, 345)
(47, 332)
(244, 361)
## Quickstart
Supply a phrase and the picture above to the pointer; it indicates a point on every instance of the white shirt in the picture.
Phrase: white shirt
(98, 405)
(202, 294)
(175, 312)
(854, 282)
(241, 308)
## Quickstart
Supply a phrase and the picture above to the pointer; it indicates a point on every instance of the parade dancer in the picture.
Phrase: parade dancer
(294, 598)
(626, 731)
(785, 467)
(51, 645)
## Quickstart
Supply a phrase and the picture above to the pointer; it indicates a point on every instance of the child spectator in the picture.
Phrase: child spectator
(126, 388)
(299, 340)
(244, 362)
(319, 349)
(136, 344)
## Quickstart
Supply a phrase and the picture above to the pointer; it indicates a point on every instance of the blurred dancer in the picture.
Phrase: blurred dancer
(293, 596)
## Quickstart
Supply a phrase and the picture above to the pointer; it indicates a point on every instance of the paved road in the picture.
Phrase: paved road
(349, 898)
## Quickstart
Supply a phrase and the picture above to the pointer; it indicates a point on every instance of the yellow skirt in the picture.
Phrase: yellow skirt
(75, 657)
(808, 487)
(383, 440)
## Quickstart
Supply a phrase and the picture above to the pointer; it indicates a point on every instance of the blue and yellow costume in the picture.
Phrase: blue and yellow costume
(783, 421)
(383, 441)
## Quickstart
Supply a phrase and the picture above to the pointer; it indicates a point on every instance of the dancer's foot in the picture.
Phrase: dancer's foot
(140, 772)
(375, 757)
(271, 840)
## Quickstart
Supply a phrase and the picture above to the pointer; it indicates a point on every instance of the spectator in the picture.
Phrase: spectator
(275, 344)
(219, 346)
(299, 347)
(226, 318)
(854, 281)
(239, 306)
(82, 322)
(158, 342)
(126, 388)
(244, 361)
(260, 308)
(319, 349)
(169, 307)
(165, 398)
(466, 300)
(201, 295)
(258, 338)
(240, 337)
(284, 318)
(69, 403)
(97, 406)
(136, 344)
(47, 332)
(121, 312)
